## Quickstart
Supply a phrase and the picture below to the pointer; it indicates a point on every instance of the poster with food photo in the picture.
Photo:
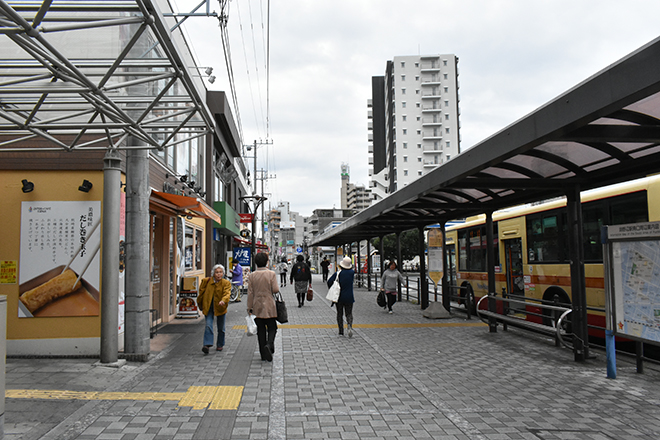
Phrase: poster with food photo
(59, 266)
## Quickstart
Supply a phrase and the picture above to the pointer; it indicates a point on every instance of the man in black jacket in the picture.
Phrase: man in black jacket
(302, 275)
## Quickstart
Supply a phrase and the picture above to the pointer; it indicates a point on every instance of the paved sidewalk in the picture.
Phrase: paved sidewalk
(401, 376)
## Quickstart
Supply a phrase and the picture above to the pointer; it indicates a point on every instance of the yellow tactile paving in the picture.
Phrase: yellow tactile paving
(226, 398)
(222, 397)
(390, 325)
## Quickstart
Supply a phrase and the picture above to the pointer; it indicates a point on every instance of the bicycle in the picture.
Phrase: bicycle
(235, 292)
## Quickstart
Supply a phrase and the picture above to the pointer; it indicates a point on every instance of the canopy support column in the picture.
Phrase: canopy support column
(490, 262)
(368, 261)
(110, 269)
(446, 297)
(399, 264)
(576, 257)
(423, 285)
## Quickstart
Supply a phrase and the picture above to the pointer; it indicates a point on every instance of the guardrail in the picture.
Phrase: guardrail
(558, 317)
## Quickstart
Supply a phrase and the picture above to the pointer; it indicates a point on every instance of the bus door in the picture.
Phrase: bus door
(515, 285)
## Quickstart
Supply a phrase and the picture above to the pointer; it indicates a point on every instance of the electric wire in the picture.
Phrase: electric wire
(256, 63)
(247, 69)
(228, 62)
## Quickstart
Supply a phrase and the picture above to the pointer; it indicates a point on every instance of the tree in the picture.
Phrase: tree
(409, 245)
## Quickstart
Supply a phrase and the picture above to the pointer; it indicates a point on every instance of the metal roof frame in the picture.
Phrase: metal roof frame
(147, 91)
(603, 131)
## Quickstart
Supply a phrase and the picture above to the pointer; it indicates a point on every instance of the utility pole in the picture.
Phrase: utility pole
(254, 190)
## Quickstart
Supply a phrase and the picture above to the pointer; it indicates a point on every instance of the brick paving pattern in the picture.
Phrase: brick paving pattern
(401, 376)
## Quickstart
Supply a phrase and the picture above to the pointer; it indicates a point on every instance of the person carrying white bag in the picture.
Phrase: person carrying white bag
(344, 302)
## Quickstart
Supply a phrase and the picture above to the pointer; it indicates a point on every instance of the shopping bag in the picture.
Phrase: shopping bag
(310, 293)
(333, 291)
(282, 315)
(380, 299)
(251, 325)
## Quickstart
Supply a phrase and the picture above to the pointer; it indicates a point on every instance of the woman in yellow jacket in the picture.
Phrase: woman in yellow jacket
(214, 293)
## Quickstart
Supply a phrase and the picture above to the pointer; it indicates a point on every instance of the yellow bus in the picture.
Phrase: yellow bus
(531, 247)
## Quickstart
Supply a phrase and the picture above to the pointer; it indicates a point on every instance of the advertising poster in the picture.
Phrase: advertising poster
(59, 265)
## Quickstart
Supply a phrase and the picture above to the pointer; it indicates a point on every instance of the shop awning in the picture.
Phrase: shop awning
(174, 204)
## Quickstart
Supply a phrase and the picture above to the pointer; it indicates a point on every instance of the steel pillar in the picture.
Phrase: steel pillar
(137, 335)
(110, 257)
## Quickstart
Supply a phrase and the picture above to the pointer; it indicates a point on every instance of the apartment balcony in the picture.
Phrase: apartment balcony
(431, 109)
(370, 125)
(431, 123)
(430, 149)
(370, 114)
(371, 171)
(430, 82)
(370, 137)
(432, 94)
(431, 164)
(429, 67)
(370, 103)
(431, 136)
(371, 160)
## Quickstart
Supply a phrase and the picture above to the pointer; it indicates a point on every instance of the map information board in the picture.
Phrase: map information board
(635, 275)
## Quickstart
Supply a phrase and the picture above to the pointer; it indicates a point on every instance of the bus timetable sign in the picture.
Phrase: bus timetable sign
(632, 268)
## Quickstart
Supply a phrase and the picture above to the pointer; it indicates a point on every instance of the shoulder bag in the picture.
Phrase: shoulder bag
(282, 315)
(333, 291)
(310, 293)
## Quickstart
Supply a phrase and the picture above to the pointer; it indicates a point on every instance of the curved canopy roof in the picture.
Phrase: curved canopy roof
(603, 131)
(86, 75)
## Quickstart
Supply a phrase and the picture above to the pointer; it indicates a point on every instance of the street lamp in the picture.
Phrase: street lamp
(257, 200)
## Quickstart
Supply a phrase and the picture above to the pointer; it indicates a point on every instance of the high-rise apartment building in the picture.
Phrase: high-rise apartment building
(413, 120)
(353, 196)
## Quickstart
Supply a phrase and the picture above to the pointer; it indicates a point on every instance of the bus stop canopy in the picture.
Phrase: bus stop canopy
(605, 130)
(86, 75)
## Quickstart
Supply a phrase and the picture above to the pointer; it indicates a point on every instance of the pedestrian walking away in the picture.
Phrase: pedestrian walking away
(325, 268)
(261, 304)
(344, 304)
(214, 294)
(282, 268)
(390, 285)
(302, 275)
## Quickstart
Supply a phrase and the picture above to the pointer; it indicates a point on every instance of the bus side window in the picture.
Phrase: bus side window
(546, 237)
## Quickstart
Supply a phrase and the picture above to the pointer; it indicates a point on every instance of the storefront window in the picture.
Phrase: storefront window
(193, 248)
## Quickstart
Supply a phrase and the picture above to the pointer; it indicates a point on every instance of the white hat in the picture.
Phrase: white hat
(346, 263)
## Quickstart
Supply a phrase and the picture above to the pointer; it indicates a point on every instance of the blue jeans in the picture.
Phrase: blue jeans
(208, 331)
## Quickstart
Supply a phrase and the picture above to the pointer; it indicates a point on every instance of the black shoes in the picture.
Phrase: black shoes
(268, 356)
(205, 349)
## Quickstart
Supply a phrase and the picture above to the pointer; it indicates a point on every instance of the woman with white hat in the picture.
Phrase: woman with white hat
(345, 302)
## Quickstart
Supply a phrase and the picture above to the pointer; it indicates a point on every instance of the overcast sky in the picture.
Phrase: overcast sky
(514, 56)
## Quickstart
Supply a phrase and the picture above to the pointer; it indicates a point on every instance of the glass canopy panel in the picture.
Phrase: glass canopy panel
(648, 106)
(540, 166)
(503, 173)
(98, 69)
(579, 154)
(646, 152)
(611, 121)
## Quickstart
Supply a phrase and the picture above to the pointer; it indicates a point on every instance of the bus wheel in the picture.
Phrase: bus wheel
(563, 301)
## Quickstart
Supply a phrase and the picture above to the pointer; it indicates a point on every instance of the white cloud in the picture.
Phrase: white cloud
(514, 57)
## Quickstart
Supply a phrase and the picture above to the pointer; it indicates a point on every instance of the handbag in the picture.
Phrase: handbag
(380, 299)
(333, 291)
(310, 293)
(282, 315)
(251, 325)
